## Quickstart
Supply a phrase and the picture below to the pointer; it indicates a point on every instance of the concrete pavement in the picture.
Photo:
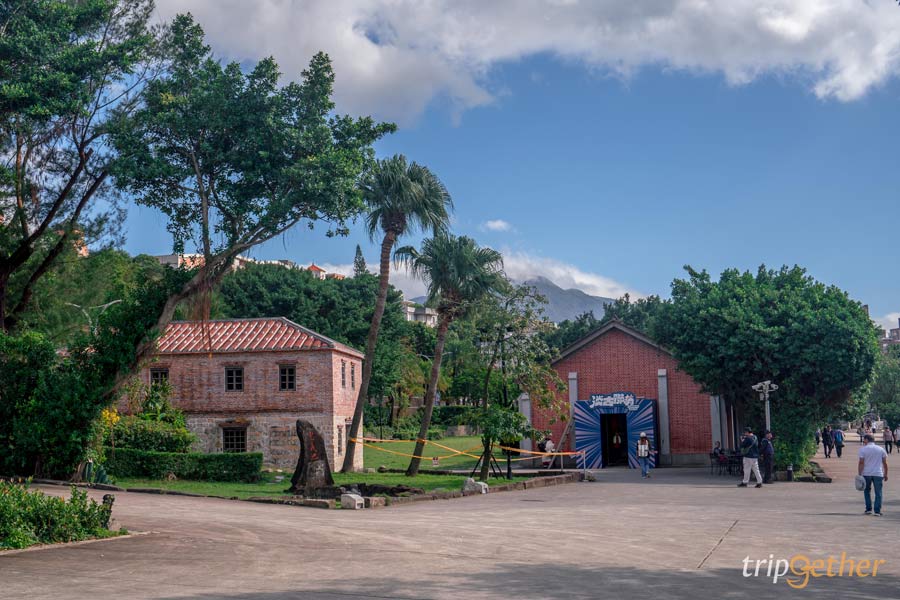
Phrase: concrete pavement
(681, 534)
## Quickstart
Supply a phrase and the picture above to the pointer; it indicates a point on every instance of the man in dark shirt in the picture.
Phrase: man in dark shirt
(750, 452)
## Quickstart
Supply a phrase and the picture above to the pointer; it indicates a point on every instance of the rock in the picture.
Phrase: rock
(375, 502)
(476, 487)
(383, 469)
(352, 501)
(313, 471)
(371, 470)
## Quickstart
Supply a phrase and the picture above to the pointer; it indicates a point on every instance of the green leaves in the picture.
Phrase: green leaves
(231, 158)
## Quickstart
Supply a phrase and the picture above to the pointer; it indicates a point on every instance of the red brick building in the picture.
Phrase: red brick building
(614, 369)
(242, 384)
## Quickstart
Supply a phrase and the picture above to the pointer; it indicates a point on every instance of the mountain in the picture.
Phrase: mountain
(567, 304)
(561, 304)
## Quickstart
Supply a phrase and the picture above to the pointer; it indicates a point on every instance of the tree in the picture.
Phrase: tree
(639, 314)
(458, 273)
(359, 263)
(67, 70)
(884, 393)
(233, 159)
(400, 197)
(812, 340)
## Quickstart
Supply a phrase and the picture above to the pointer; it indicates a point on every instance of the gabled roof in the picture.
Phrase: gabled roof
(603, 330)
(314, 267)
(244, 335)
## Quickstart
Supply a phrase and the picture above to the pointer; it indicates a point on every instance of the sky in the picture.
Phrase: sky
(607, 144)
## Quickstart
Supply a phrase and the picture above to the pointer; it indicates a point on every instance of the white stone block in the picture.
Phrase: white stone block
(352, 501)
(479, 487)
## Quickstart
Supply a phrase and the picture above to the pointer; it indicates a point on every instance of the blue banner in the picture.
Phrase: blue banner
(640, 416)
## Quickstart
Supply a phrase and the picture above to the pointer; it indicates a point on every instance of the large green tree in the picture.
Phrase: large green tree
(67, 70)
(458, 273)
(884, 392)
(812, 340)
(234, 159)
(400, 197)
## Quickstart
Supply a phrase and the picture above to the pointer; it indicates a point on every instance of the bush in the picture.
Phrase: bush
(157, 436)
(29, 517)
(450, 416)
(238, 466)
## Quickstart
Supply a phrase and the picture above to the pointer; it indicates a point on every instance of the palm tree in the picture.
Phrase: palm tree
(401, 197)
(458, 273)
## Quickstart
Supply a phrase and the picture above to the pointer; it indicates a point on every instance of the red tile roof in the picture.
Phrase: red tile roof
(244, 335)
(313, 267)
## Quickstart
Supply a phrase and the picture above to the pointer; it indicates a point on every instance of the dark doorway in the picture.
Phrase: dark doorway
(614, 433)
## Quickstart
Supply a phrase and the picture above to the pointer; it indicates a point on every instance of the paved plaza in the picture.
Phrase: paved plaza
(681, 534)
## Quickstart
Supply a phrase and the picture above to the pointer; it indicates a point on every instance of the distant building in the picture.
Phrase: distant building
(317, 271)
(890, 338)
(177, 261)
(243, 383)
(420, 314)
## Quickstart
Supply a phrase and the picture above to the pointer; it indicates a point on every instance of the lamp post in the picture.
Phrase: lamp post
(765, 388)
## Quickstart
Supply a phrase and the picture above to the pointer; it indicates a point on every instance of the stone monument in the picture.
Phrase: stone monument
(313, 471)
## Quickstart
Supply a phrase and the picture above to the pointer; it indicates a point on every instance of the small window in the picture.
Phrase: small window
(234, 439)
(343, 373)
(353, 376)
(159, 376)
(234, 379)
(287, 378)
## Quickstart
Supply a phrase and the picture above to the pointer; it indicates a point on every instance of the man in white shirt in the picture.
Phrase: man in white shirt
(873, 466)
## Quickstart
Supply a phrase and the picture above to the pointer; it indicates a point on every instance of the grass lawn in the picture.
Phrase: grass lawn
(374, 457)
(267, 486)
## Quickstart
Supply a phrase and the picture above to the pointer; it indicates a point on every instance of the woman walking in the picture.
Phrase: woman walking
(888, 439)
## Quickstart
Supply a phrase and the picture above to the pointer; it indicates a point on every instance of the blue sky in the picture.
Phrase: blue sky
(611, 178)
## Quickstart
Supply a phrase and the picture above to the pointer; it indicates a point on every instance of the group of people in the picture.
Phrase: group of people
(755, 451)
(832, 440)
(890, 437)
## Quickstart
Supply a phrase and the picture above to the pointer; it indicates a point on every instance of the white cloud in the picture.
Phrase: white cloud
(888, 321)
(521, 266)
(393, 57)
(496, 225)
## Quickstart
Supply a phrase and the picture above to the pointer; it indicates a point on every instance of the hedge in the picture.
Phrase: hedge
(231, 466)
(157, 436)
(30, 517)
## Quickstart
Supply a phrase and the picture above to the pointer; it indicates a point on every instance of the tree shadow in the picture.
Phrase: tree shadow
(559, 580)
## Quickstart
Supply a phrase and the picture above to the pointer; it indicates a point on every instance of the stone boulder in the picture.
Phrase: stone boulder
(313, 471)
(475, 487)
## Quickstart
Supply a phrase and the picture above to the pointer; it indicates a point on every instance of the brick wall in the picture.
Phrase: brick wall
(198, 388)
(618, 362)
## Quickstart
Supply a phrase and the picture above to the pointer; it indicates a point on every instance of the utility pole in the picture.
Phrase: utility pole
(765, 388)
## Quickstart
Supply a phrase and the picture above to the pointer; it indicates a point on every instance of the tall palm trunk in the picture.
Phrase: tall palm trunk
(384, 275)
(443, 326)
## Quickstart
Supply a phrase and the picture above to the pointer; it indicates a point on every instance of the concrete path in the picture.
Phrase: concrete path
(681, 534)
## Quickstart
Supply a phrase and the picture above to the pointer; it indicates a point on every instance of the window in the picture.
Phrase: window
(353, 376)
(234, 379)
(158, 376)
(343, 373)
(234, 439)
(340, 444)
(287, 378)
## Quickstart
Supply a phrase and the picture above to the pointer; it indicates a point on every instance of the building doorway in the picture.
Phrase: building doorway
(614, 433)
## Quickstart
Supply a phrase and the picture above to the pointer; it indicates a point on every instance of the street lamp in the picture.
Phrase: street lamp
(764, 388)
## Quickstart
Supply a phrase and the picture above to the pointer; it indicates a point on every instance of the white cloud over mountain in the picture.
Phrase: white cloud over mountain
(519, 266)
(393, 57)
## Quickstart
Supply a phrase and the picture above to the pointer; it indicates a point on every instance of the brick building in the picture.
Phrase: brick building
(242, 384)
(620, 383)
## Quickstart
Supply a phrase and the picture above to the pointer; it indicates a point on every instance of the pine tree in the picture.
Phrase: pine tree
(359, 263)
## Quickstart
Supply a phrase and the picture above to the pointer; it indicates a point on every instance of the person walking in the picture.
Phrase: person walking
(767, 455)
(897, 437)
(859, 432)
(750, 454)
(827, 441)
(874, 468)
(818, 438)
(838, 441)
(643, 451)
(888, 439)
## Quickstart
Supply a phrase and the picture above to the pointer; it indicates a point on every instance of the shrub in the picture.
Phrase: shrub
(30, 517)
(450, 416)
(238, 466)
(157, 436)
